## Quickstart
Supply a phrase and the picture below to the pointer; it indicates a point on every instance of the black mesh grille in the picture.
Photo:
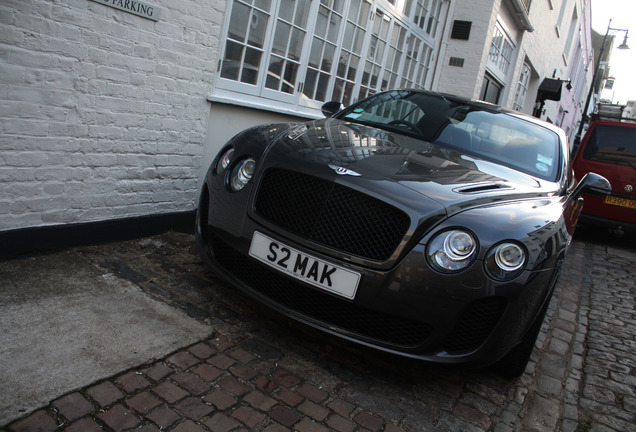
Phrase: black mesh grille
(331, 214)
(330, 310)
(474, 326)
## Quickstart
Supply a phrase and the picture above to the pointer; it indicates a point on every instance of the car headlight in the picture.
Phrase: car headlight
(452, 250)
(505, 260)
(242, 173)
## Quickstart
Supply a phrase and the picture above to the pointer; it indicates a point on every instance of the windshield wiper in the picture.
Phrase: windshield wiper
(614, 160)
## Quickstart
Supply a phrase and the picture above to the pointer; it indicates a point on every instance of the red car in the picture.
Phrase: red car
(609, 149)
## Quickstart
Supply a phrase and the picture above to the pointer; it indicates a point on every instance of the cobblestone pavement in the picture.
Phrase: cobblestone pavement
(262, 372)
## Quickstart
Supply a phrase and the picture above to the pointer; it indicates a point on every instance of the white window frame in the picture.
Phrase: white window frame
(497, 53)
(522, 87)
(559, 23)
(572, 30)
(259, 96)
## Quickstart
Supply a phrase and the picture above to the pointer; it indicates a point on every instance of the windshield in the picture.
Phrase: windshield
(613, 144)
(470, 128)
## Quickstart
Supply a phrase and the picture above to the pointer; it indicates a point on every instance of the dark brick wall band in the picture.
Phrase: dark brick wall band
(29, 240)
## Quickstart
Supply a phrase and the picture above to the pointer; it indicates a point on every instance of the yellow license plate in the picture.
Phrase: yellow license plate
(621, 202)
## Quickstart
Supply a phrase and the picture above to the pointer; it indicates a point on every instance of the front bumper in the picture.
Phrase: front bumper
(408, 310)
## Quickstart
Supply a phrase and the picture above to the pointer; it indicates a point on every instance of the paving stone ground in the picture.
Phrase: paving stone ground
(262, 372)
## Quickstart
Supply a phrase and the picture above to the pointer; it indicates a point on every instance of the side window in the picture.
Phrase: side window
(532, 150)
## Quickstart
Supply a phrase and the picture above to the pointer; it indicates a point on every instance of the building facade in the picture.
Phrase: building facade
(113, 109)
(512, 47)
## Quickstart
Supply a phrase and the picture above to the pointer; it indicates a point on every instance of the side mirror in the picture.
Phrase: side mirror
(330, 108)
(592, 184)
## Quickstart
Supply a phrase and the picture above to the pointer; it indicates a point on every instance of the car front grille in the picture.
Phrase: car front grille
(325, 308)
(331, 214)
(475, 325)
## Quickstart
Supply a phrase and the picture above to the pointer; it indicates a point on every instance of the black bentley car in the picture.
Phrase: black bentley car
(417, 223)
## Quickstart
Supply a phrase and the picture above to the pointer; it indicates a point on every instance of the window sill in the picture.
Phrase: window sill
(262, 104)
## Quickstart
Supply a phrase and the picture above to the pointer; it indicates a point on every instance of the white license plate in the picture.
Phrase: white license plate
(314, 271)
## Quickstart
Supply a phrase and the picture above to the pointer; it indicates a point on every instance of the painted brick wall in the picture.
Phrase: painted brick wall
(103, 113)
(467, 80)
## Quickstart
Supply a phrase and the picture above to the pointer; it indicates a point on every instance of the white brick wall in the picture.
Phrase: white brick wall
(103, 114)
(466, 81)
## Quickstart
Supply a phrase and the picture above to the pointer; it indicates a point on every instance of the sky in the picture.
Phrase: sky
(622, 62)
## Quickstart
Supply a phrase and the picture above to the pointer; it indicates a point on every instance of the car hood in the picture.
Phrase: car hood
(387, 163)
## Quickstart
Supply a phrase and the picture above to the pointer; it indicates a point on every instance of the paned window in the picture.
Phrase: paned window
(433, 18)
(522, 88)
(490, 90)
(424, 13)
(416, 63)
(298, 54)
(375, 55)
(501, 49)
(289, 36)
(349, 62)
(394, 58)
(245, 41)
(323, 51)
(421, 12)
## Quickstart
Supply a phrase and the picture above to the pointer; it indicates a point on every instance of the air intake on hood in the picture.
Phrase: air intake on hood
(482, 188)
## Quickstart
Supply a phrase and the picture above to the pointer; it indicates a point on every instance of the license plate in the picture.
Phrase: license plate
(319, 273)
(621, 202)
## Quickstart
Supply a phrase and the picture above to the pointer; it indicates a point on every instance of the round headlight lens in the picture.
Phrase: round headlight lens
(458, 245)
(505, 261)
(225, 160)
(509, 257)
(452, 251)
(242, 173)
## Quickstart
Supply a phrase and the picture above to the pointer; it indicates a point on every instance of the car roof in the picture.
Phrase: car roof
(621, 123)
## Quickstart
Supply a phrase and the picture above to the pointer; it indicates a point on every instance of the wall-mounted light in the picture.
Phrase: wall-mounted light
(624, 44)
